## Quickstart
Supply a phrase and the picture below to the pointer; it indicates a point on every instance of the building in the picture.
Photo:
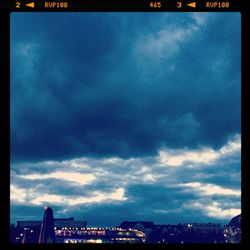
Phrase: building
(232, 231)
(47, 232)
(168, 233)
(203, 227)
(34, 227)
(147, 227)
(99, 235)
(68, 230)
(179, 233)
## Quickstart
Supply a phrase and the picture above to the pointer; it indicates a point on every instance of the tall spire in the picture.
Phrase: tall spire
(47, 233)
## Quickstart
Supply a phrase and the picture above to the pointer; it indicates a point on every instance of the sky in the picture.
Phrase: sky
(126, 116)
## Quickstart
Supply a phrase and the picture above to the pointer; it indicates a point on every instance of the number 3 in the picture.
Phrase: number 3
(179, 4)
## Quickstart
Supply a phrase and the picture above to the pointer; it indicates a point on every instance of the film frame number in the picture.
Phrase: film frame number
(155, 5)
(18, 5)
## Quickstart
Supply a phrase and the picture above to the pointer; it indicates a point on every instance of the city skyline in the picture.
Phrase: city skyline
(117, 116)
(67, 230)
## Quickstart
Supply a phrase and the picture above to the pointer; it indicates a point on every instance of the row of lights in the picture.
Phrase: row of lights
(81, 241)
(103, 232)
(95, 228)
(124, 239)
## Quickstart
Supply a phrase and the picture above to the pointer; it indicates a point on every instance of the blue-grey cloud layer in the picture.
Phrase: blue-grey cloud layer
(114, 84)
(108, 110)
(143, 188)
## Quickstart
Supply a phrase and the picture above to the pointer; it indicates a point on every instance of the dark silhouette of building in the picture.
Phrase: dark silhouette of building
(27, 236)
(17, 231)
(180, 233)
(47, 233)
(168, 233)
(235, 221)
(232, 231)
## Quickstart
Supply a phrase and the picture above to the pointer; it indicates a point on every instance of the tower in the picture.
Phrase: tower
(26, 235)
(47, 233)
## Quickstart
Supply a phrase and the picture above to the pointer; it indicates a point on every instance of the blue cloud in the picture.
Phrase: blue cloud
(152, 188)
(135, 99)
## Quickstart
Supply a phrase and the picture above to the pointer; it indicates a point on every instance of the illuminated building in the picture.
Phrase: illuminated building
(99, 235)
(30, 231)
(71, 231)
(147, 227)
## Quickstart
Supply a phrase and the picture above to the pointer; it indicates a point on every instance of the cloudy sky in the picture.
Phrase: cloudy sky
(126, 116)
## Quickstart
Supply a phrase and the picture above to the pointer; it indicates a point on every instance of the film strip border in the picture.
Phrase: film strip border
(116, 5)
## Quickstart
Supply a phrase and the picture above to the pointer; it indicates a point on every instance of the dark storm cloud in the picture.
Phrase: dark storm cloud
(111, 84)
